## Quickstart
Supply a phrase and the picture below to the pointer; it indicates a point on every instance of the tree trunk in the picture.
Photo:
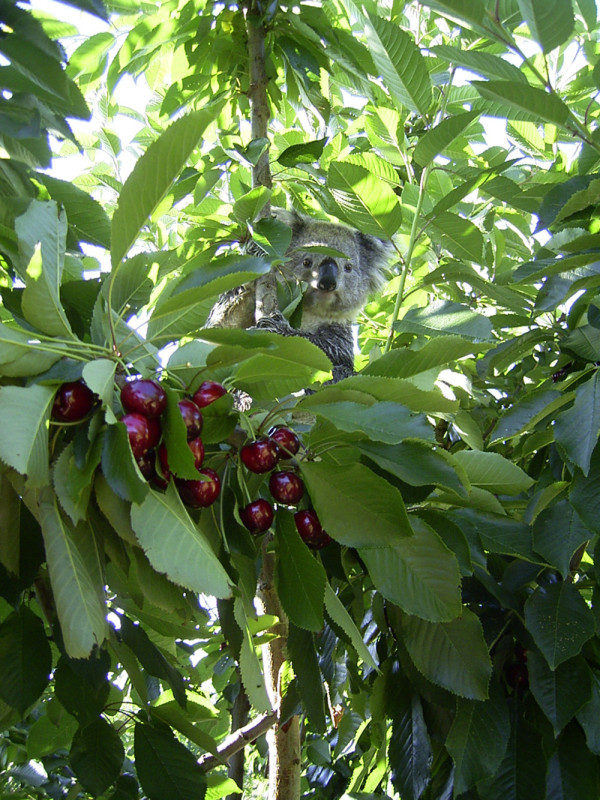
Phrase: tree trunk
(284, 742)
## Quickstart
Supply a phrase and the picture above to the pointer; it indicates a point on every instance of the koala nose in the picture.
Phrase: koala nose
(327, 278)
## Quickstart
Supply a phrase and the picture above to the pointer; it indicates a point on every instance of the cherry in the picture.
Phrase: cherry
(260, 455)
(288, 442)
(192, 416)
(144, 433)
(517, 676)
(310, 529)
(257, 516)
(197, 447)
(147, 465)
(207, 393)
(198, 493)
(73, 401)
(286, 487)
(144, 397)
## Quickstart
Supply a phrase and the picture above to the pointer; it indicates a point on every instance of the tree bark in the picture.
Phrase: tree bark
(283, 741)
(239, 718)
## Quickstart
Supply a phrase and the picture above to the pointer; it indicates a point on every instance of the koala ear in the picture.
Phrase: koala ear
(295, 221)
(374, 255)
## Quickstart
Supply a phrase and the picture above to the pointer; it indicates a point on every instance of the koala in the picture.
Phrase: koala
(337, 287)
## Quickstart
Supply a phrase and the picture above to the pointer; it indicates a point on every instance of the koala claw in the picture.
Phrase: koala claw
(276, 323)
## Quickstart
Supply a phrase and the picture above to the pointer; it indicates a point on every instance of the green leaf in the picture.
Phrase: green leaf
(589, 715)
(418, 463)
(522, 773)
(442, 317)
(357, 507)
(152, 177)
(382, 422)
(418, 573)
(47, 736)
(525, 414)
(181, 459)
(409, 751)
(560, 693)
(82, 686)
(119, 466)
(73, 481)
(305, 153)
(459, 236)
(401, 64)
(299, 577)
(437, 352)
(478, 738)
(484, 64)
(585, 492)
(24, 412)
(25, 659)
(177, 547)
(493, 472)
(559, 620)
(197, 710)
(572, 770)
(442, 136)
(76, 577)
(96, 756)
(338, 614)
(368, 203)
(576, 429)
(558, 531)
(513, 100)
(450, 654)
(10, 521)
(397, 391)
(86, 216)
(301, 650)
(550, 22)
(99, 375)
(42, 231)
(250, 671)
(22, 355)
(150, 657)
(166, 769)
(249, 206)
(497, 533)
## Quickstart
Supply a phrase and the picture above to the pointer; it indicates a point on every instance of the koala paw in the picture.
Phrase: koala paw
(276, 323)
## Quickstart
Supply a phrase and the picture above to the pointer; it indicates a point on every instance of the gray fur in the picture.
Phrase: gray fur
(338, 288)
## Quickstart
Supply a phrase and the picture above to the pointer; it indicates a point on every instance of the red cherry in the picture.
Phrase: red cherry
(147, 465)
(73, 401)
(260, 456)
(257, 516)
(207, 393)
(310, 529)
(144, 433)
(288, 442)
(200, 494)
(144, 397)
(197, 447)
(286, 487)
(192, 416)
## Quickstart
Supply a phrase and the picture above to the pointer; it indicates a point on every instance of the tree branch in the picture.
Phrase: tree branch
(238, 740)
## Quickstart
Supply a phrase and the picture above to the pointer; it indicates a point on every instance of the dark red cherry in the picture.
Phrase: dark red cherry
(147, 465)
(200, 493)
(286, 487)
(288, 442)
(144, 433)
(260, 455)
(73, 401)
(257, 516)
(207, 393)
(146, 397)
(197, 447)
(310, 529)
(192, 416)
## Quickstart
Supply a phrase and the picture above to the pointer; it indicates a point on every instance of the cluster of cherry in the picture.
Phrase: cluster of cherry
(145, 400)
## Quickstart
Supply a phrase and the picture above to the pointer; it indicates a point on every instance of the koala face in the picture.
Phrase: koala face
(338, 285)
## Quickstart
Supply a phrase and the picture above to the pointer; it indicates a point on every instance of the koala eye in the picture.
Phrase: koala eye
(347, 267)
(307, 262)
